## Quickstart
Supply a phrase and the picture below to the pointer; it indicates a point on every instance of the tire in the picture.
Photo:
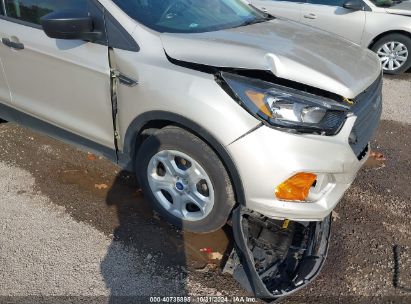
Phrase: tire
(153, 169)
(404, 44)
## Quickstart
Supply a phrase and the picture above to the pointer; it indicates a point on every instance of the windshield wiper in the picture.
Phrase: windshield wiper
(257, 20)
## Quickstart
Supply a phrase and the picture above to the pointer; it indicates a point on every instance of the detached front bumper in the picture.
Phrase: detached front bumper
(267, 157)
(273, 258)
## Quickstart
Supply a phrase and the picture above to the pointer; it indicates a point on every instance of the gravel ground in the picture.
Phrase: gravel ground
(397, 97)
(72, 224)
(43, 247)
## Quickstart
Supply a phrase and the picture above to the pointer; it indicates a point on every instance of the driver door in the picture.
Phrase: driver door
(65, 83)
(329, 15)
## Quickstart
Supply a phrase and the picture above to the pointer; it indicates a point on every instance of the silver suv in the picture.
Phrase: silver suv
(383, 26)
(220, 110)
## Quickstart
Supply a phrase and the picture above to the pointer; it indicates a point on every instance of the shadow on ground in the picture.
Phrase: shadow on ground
(142, 230)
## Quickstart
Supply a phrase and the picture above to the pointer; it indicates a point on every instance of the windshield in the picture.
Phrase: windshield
(191, 16)
(385, 3)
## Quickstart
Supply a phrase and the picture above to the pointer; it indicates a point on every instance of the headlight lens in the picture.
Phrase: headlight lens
(286, 107)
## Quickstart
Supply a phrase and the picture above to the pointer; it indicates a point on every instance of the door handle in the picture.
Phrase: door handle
(310, 16)
(12, 44)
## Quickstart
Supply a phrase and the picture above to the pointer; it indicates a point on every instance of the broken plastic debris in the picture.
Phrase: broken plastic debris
(206, 250)
(216, 256)
(377, 156)
(286, 223)
(211, 255)
(101, 186)
(91, 156)
(376, 160)
(335, 216)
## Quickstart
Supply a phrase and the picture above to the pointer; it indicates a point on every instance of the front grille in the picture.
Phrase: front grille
(368, 109)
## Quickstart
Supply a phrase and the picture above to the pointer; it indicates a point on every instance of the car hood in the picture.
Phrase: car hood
(403, 8)
(288, 49)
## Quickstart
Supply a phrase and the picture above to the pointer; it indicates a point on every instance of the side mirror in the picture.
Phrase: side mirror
(69, 24)
(354, 5)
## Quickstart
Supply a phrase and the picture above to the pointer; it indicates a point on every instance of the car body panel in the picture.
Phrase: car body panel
(43, 77)
(285, 9)
(184, 92)
(335, 19)
(380, 23)
(295, 55)
(5, 95)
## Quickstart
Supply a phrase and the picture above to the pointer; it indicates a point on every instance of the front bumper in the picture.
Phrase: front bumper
(267, 157)
(272, 260)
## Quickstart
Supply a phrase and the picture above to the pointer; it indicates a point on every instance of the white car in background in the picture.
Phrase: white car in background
(383, 26)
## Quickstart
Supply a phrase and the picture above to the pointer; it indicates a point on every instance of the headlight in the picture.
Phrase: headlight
(288, 108)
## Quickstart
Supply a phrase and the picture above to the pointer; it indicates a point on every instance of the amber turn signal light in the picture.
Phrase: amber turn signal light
(296, 188)
(258, 100)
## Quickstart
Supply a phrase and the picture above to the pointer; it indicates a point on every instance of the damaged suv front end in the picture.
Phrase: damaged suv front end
(282, 237)
(295, 166)
(294, 109)
(306, 152)
(282, 247)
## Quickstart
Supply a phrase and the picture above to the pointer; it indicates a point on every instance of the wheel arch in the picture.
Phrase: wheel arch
(144, 125)
(402, 32)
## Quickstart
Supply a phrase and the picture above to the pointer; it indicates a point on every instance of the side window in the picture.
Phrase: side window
(32, 10)
(327, 2)
(1, 8)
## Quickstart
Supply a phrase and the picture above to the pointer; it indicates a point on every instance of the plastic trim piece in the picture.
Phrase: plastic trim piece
(242, 261)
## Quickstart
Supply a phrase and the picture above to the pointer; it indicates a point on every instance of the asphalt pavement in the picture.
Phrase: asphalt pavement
(72, 224)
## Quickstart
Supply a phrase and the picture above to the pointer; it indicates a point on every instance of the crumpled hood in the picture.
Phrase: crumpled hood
(403, 8)
(290, 50)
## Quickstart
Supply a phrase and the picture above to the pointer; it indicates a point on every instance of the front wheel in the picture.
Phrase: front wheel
(394, 53)
(185, 180)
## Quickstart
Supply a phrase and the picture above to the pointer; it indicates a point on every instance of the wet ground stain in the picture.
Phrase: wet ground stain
(126, 203)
